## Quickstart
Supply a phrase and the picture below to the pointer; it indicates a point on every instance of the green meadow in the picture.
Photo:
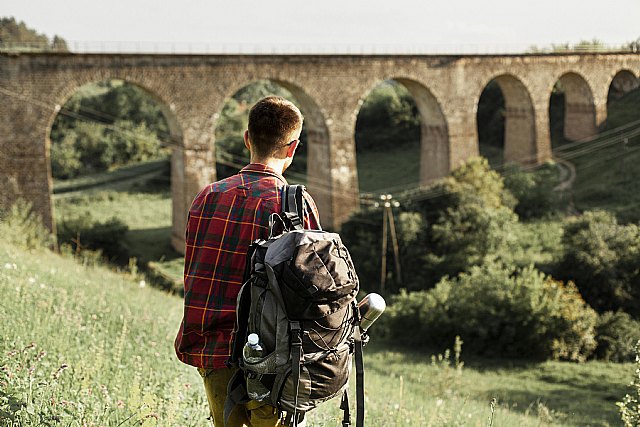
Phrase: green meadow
(85, 345)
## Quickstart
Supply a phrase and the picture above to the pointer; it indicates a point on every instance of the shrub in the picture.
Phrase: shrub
(94, 147)
(82, 232)
(533, 191)
(20, 225)
(497, 311)
(616, 334)
(468, 224)
(603, 257)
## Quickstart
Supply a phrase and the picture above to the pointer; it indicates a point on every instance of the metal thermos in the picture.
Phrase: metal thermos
(371, 307)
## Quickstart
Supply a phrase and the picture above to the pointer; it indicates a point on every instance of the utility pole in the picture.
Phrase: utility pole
(389, 227)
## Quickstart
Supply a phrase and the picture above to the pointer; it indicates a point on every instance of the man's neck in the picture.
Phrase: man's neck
(275, 164)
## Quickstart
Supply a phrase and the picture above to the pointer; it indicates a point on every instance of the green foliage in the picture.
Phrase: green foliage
(603, 257)
(120, 124)
(498, 311)
(16, 36)
(458, 222)
(616, 334)
(469, 223)
(534, 191)
(21, 226)
(388, 119)
(630, 405)
(83, 232)
(93, 147)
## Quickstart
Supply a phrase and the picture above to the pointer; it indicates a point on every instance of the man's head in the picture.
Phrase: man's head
(274, 122)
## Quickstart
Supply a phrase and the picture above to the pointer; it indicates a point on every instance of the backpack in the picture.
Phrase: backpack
(299, 297)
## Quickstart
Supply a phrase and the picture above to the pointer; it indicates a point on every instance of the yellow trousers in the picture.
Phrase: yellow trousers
(253, 414)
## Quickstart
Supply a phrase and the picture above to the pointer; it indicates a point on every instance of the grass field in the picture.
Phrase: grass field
(87, 346)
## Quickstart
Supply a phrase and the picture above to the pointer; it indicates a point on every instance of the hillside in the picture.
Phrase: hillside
(83, 345)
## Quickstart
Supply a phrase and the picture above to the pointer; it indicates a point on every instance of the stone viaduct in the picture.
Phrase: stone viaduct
(330, 90)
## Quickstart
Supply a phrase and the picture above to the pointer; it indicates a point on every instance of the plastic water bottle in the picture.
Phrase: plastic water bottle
(371, 307)
(252, 353)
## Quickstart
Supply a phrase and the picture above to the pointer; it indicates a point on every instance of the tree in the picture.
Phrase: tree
(603, 258)
(16, 36)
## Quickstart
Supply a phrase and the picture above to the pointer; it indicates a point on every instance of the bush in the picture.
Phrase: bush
(534, 191)
(616, 334)
(466, 223)
(603, 257)
(82, 233)
(21, 226)
(497, 311)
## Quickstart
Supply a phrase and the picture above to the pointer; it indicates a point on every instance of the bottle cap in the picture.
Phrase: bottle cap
(253, 339)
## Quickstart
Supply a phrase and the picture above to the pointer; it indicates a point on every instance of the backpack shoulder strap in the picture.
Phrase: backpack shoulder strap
(293, 205)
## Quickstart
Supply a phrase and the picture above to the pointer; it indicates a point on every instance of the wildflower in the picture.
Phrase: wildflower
(32, 280)
(142, 283)
(439, 402)
(120, 404)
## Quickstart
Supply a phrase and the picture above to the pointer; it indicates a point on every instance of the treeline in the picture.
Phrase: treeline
(16, 36)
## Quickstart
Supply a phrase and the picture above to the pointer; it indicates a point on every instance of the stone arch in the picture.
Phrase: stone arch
(622, 82)
(435, 157)
(579, 106)
(176, 142)
(519, 120)
(318, 144)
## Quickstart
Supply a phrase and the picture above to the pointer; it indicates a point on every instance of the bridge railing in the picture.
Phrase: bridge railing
(168, 47)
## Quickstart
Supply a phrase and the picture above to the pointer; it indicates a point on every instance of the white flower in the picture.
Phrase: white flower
(32, 280)
(142, 283)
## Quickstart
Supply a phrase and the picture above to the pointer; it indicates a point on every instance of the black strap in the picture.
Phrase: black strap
(359, 380)
(240, 332)
(296, 357)
(293, 205)
(344, 405)
(236, 394)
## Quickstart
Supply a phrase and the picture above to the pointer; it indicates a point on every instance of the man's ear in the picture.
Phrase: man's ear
(291, 149)
(246, 140)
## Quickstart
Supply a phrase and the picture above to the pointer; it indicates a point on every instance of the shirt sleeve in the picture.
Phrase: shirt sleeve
(311, 214)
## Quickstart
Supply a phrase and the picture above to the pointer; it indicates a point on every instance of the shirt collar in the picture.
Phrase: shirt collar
(263, 169)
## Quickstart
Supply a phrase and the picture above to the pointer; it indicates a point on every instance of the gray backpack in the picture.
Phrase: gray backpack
(299, 297)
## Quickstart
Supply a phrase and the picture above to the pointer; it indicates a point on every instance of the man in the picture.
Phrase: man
(225, 217)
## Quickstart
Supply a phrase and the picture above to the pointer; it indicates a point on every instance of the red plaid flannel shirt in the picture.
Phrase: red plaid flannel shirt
(225, 217)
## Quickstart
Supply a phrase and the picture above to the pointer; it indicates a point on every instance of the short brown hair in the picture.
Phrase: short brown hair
(271, 121)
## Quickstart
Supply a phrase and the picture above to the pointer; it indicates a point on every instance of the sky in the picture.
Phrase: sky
(354, 26)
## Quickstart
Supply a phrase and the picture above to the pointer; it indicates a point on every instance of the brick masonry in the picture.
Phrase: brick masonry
(330, 88)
